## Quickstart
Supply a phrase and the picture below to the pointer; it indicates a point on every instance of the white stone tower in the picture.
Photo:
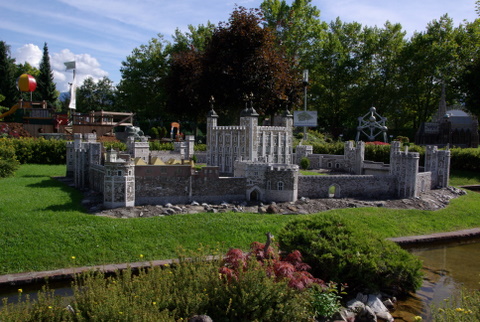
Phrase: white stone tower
(119, 182)
(404, 166)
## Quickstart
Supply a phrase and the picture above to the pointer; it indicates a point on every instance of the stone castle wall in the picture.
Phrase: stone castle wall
(352, 186)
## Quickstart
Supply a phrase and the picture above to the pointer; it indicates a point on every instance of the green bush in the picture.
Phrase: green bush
(171, 293)
(115, 145)
(200, 147)
(39, 150)
(8, 159)
(305, 163)
(339, 252)
(465, 159)
(161, 146)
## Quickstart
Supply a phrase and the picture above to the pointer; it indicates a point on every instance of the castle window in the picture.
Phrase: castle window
(129, 172)
(337, 165)
(329, 165)
(109, 173)
(119, 173)
(269, 185)
(280, 185)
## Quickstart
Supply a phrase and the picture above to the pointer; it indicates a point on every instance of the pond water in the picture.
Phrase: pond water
(447, 268)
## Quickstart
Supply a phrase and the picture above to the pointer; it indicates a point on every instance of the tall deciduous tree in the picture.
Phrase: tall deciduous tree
(242, 58)
(7, 76)
(297, 27)
(46, 89)
(195, 39)
(337, 69)
(429, 60)
(142, 88)
(96, 96)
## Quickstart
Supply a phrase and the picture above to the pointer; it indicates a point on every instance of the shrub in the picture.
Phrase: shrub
(154, 133)
(172, 293)
(8, 159)
(161, 146)
(465, 159)
(305, 163)
(200, 147)
(341, 253)
(39, 150)
(115, 145)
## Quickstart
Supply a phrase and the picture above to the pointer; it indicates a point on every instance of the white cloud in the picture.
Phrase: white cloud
(86, 66)
(29, 53)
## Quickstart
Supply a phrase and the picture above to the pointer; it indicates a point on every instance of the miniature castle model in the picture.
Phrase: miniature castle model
(247, 163)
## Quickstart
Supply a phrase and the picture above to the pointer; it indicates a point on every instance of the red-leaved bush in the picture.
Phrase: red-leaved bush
(290, 267)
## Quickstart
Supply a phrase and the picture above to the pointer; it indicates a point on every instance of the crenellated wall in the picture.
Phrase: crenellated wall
(351, 186)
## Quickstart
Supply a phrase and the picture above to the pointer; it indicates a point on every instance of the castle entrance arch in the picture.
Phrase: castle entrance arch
(334, 191)
(254, 194)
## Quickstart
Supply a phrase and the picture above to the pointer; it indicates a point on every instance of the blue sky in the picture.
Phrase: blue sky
(100, 34)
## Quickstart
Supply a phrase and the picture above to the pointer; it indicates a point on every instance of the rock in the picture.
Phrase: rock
(261, 210)
(344, 315)
(168, 205)
(194, 203)
(366, 315)
(384, 316)
(200, 318)
(169, 211)
(355, 306)
(362, 298)
(273, 209)
(389, 305)
(376, 304)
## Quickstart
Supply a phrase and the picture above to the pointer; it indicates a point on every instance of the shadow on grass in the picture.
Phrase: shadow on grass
(74, 195)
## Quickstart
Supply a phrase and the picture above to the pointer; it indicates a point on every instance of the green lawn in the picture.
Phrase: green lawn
(42, 225)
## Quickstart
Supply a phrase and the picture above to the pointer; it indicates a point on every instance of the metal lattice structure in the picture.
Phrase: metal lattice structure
(371, 127)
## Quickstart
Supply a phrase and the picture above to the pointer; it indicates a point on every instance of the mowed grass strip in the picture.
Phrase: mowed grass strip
(44, 227)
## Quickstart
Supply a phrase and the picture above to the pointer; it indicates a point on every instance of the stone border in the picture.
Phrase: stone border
(19, 279)
(437, 237)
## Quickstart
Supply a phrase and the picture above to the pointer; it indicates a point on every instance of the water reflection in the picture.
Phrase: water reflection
(447, 268)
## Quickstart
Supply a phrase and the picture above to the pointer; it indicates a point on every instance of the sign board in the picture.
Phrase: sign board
(431, 128)
(305, 118)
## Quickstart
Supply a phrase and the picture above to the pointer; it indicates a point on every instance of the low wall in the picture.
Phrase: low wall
(347, 186)
(160, 190)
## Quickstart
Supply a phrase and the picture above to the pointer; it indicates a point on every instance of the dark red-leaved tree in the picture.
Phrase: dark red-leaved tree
(240, 58)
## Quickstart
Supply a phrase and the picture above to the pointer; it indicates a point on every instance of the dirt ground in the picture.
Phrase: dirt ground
(433, 200)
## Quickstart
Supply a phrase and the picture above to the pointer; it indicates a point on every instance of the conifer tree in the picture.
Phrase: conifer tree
(7, 77)
(45, 85)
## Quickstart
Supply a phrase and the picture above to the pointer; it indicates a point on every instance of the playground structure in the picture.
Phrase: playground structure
(40, 120)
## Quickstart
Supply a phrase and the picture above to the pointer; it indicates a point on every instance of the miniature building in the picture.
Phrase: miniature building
(453, 127)
(249, 141)
(260, 167)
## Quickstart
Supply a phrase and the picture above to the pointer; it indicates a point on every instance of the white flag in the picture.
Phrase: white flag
(70, 65)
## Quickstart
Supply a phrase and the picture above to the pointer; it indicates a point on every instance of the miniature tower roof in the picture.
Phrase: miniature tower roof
(442, 107)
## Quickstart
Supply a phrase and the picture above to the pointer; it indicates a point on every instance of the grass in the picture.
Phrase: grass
(311, 173)
(42, 225)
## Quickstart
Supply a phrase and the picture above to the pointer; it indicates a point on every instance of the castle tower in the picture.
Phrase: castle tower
(355, 155)
(138, 149)
(404, 166)
(212, 144)
(249, 120)
(119, 183)
(438, 163)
